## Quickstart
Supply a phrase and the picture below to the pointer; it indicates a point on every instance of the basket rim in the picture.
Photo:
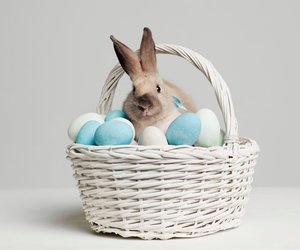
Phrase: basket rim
(243, 142)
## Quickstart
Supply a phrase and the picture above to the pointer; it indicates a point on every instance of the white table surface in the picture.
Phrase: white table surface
(53, 219)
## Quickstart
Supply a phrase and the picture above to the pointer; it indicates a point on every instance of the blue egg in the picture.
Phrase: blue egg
(86, 133)
(115, 114)
(184, 130)
(113, 133)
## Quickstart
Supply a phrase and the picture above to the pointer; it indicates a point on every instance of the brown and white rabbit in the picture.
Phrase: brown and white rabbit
(150, 103)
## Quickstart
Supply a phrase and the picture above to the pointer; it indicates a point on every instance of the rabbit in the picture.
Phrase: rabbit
(150, 103)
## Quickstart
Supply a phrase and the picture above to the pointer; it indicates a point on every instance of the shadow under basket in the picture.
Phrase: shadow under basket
(155, 192)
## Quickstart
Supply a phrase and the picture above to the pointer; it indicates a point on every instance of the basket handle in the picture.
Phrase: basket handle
(220, 87)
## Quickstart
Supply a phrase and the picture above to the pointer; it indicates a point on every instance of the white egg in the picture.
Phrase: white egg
(221, 138)
(210, 129)
(152, 136)
(77, 124)
(127, 122)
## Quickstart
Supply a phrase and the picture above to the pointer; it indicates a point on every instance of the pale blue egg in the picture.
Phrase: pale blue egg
(127, 122)
(113, 133)
(184, 130)
(115, 114)
(86, 133)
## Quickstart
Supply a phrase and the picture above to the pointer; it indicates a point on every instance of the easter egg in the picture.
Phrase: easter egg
(127, 122)
(184, 130)
(221, 138)
(77, 123)
(115, 114)
(210, 129)
(86, 133)
(152, 136)
(113, 133)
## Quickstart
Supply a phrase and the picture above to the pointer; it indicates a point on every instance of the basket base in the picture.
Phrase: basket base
(208, 229)
(162, 193)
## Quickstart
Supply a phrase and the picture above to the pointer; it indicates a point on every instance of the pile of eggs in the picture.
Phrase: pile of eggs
(195, 129)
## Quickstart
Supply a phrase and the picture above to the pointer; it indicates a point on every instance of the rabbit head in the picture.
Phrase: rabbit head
(149, 99)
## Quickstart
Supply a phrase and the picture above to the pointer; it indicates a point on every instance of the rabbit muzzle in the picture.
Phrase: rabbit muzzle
(144, 104)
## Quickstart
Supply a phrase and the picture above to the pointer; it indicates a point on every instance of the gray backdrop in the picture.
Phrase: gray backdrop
(55, 56)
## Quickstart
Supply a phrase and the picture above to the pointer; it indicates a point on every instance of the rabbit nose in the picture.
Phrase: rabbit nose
(144, 101)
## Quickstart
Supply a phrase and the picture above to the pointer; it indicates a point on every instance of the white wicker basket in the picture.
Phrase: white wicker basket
(172, 191)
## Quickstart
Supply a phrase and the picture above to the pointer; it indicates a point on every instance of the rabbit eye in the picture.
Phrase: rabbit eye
(158, 88)
(133, 89)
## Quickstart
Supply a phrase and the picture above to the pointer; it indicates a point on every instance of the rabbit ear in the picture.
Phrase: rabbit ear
(147, 52)
(129, 60)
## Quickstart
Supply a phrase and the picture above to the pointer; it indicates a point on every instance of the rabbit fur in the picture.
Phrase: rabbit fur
(150, 102)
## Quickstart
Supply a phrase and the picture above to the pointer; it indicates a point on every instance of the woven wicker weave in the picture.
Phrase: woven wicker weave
(172, 191)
